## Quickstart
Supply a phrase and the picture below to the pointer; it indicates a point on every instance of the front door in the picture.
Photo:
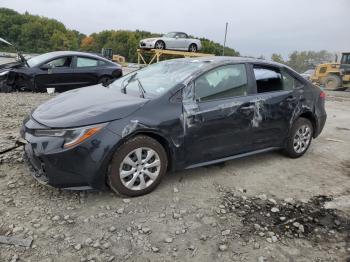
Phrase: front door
(218, 120)
(57, 73)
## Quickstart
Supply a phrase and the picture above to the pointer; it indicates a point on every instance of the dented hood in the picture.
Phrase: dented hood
(11, 65)
(87, 106)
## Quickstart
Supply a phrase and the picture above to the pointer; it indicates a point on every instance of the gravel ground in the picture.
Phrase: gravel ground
(261, 208)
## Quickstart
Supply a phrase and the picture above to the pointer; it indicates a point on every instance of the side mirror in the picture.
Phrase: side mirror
(45, 67)
(177, 37)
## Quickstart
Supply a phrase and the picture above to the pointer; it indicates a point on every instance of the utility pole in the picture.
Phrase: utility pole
(223, 50)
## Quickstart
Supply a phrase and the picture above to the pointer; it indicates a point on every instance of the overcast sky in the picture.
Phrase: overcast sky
(256, 27)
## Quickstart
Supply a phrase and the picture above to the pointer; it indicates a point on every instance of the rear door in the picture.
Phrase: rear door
(59, 75)
(278, 94)
(218, 119)
(86, 71)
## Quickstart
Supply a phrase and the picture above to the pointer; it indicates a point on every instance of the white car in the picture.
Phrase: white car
(173, 41)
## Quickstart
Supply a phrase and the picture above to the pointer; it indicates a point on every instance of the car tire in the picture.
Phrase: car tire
(104, 80)
(193, 48)
(131, 174)
(332, 82)
(300, 138)
(5, 88)
(159, 45)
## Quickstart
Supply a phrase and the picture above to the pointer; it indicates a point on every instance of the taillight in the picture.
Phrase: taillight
(322, 95)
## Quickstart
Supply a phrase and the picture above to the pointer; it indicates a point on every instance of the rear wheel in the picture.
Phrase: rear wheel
(137, 167)
(332, 82)
(159, 45)
(300, 138)
(193, 48)
(104, 80)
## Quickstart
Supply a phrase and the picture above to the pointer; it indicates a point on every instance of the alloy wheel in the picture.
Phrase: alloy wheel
(159, 45)
(193, 48)
(302, 139)
(140, 168)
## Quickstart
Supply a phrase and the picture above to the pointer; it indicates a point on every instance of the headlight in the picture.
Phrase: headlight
(73, 136)
(4, 73)
(149, 40)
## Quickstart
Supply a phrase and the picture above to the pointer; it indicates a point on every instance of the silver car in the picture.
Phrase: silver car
(173, 41)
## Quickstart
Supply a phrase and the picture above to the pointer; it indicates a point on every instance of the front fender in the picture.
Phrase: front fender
(173, 142)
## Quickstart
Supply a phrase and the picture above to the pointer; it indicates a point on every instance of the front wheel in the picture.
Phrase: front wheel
(137, 167)
(299, 138)
(5, 88)
(159, 45)
(193, 48)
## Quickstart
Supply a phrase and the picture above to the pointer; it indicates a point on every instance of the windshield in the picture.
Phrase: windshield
(37, 60)
(156, 79)
(170, 35)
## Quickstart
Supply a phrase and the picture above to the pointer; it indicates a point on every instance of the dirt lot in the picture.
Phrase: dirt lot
(261, 208)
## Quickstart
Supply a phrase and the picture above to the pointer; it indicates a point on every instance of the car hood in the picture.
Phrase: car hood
(150, 39)
(11, 65)
(87, 106)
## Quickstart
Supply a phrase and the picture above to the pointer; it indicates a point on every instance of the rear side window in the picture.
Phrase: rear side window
(102, 63)
(289, 81)
(86, 62)
(268, 79)
(223, 82)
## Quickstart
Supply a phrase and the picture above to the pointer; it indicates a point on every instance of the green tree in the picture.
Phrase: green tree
(304, 60)
(277, 58)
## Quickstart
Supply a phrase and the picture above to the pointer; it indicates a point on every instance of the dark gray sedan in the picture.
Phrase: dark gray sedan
(177, 114)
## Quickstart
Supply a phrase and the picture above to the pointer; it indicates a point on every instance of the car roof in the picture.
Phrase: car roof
(231, 59)
(214, 61)
(178, 32)
(75, 53)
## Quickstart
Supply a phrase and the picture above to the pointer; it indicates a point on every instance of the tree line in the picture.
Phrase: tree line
(304, 60)
(37, 34)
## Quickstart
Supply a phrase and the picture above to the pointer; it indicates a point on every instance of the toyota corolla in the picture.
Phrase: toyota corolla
(173, 115)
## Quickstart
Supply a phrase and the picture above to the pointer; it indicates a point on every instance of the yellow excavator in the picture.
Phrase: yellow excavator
(334, 76)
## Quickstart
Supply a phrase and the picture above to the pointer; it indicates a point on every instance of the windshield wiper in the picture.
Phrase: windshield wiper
(141, 89)
(124, 86)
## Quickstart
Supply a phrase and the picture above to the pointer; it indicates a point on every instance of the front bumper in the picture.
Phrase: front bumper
(80, 168)
(146, 45)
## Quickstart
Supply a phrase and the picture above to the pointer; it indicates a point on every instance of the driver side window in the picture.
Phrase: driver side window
(60, 62)
(223, 82)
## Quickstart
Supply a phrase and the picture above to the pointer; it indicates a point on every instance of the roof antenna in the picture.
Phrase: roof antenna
(223, 49)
